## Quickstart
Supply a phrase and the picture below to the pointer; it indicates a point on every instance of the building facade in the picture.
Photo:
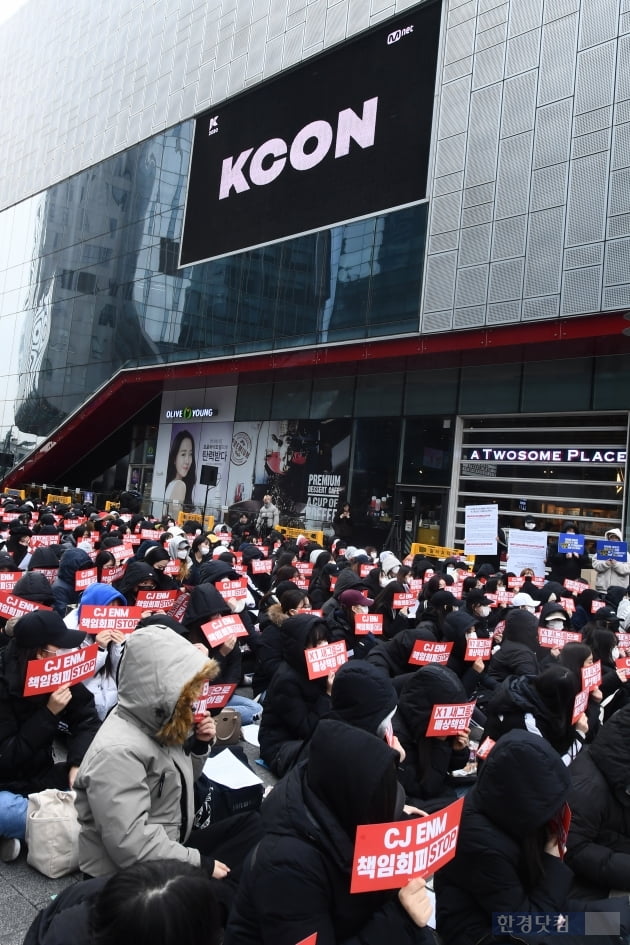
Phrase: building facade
(466, 347)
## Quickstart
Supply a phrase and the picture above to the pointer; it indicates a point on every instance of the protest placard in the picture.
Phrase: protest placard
(387, 856)
(49, 674)
(220, 629)
(368, 623)
(449, 719)
(322, 660)
(97, 617)
(425, 651)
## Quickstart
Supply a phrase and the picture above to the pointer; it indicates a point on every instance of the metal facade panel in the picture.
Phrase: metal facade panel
(581, 291)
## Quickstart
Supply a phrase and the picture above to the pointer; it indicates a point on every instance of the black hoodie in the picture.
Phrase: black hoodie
(294, 703)
(424, 771)
(523, 784)
(598, 848)
(298, 883)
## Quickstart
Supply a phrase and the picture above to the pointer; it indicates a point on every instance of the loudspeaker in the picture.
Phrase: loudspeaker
(209, 475)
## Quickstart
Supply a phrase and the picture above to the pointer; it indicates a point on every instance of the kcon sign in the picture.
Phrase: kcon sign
(494, 454)
(190, 413)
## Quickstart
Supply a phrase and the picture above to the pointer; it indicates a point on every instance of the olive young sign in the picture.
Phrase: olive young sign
(344, 136)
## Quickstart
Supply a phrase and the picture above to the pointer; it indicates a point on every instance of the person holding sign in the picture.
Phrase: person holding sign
(508, 858)
(29, 725)
(298, 884)
(612, 571)
(424, 772)
(294, 703)
(135, 796)
(567, 558)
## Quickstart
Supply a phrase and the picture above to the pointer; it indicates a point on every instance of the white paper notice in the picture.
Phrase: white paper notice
(229, 771)
(481, 528)
(527, 550)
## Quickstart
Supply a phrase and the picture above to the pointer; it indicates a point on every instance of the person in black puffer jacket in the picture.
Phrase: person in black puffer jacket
(423, 773)
(392, 656)
(294, 703)
(504, 862)
(542, 705)
(517, 653)
(298, 882)
(598, 847)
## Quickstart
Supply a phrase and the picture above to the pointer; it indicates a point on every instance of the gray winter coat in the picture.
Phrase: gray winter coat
(136, 773)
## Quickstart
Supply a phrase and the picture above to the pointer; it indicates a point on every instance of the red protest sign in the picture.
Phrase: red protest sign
(425, 651)
(232, 590)
(368, 623)
(592, 676)
(49, 573)
(597, 605)
(311, 940)
(180, 606)
(301, 582)
(485, 748)
(478, 649)
(404, 600)
(579, 705)
(450, 719)
(569, 604)
(309, 610)
(8, 579)
(220, 629)
(576, 587)
(504, 597)
(623, 664)
(172, 568)
(624, 640)
(262, 566)
(42, 541)
(109, 575)
(555, 639)
(49, 674)
(365, 569)
(322, 660)
(150, 534)
(12, 606)
(212, 697)
(95, 617)
(159, 599)
(84, 578)
(387, 856)
(121, 552)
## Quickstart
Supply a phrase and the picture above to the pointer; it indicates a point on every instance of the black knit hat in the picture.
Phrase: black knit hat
(43, 627)
(362, 695)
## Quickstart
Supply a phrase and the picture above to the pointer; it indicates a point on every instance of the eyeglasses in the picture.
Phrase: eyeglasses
(49, 652)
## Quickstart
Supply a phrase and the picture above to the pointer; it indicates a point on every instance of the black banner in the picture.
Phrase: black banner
(343, 136)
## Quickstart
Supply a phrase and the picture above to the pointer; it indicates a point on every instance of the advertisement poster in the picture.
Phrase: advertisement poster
(302, 464)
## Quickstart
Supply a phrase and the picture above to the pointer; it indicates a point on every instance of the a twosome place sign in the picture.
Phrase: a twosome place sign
(343, 136)
(544, 454)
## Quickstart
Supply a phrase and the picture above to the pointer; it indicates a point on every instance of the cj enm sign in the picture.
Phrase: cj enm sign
(344, 136)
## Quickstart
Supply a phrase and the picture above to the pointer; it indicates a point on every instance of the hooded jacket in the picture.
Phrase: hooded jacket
(294, 703)
(44, 558)
(598, 846)
(610, 572)
(135, 786)
(298, 883)
(522, 785)
(423, 773)
(36, 587)
(517, 653)
(72, 560)
(392, 656)
(517, 704)
(135, 573)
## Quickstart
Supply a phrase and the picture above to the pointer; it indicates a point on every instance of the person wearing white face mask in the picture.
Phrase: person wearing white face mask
(200, 552)
(479, 606)
(178, 549)
(611, 573)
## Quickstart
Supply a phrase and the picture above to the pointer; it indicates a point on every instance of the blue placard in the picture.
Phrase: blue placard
(569, 542)
(615, 550)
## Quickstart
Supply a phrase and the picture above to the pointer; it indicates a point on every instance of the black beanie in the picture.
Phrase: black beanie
(362, 696)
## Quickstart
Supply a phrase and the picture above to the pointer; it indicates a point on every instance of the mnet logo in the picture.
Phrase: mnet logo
(398, 34)
(309, 148)
(213, 125)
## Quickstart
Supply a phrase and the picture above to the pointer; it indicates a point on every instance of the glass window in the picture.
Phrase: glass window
(490, 388)
(557, 385)
(378, 395)
(253, 402)
(332, 397)
(431, 392)
(428, 451)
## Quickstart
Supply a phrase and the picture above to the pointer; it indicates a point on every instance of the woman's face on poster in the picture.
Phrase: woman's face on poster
(184, 458)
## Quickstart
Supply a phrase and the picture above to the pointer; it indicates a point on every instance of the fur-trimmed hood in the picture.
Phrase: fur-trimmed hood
(276, 615)
(161, 674)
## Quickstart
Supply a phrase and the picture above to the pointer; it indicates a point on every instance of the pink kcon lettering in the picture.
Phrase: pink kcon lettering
(269, 160)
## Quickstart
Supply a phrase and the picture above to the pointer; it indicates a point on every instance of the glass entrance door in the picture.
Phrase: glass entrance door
(421, 514)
